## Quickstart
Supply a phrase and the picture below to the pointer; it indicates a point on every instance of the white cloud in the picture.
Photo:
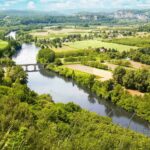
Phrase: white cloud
(92, 5)
(31, 5)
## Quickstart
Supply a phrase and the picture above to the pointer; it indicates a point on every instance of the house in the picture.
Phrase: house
(102, 50)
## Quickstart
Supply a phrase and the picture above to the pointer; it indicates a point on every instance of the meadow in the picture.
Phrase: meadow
(133, 41)
(3, 44)
(96, 43)
(57, 33)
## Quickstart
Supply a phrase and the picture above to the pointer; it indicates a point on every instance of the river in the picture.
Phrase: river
(65, 91)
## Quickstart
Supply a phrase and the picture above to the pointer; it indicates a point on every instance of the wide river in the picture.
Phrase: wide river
(65, 91)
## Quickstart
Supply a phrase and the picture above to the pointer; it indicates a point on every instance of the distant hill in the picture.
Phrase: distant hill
(20, 13)
(119, 17)
(139, 15)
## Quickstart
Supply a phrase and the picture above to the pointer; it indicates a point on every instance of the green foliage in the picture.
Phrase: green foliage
(6, 62)
(1, 75)
(124, 63)
(118, 74)
(133, 79)
(141, 55)
(74, 53)
(81, 78)
(134, 41)
(15, 73)
(96, 64)
(11, 46)
(46, 125)
(79, 59)
(110, 90)
(24, 37)
(46, 56)
(58, 62)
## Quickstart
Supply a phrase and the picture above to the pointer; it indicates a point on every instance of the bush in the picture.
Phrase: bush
(96, 65)
(58, 62)
(46, 56)
(133, 79)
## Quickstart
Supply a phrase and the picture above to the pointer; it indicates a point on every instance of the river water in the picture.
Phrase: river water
(65, 91)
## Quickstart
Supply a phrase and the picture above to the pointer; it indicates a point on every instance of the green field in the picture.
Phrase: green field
(98, 43)
(3, 44)
(51, 33)
(133, 41)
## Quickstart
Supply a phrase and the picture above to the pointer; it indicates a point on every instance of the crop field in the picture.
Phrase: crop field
(138, 65)
(103, 75)
(53, 33)
(135, 92)
(98, 43)
(3, 44)
(133, 41)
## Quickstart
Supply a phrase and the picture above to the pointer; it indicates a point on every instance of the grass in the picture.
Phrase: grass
(98, 43)
(133, 41)
(102, 75)
(52, 33)
(3, 44)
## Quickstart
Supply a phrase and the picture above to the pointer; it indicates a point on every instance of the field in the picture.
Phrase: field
(138, 65)
(103, 75)
(98, 43)
(3, 44)
(135, 92)
(133, 41)
(57, 33)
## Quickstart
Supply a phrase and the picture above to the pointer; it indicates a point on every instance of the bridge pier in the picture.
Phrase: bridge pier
(26, 67)
(34, 67)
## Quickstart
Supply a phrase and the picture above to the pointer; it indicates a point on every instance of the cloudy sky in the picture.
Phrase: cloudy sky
(62, 5)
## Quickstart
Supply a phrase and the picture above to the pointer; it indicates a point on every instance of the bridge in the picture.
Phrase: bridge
(30, 67)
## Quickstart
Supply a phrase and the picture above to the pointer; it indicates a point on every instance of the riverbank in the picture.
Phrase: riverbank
(43, 124)
(105, 90)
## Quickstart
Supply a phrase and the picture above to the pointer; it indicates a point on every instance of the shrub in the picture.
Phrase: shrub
(46, 56)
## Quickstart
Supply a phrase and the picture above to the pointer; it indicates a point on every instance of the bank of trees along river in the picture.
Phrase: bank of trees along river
(109, 90)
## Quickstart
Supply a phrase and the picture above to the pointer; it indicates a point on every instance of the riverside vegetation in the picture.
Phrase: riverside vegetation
(31, 121)
(112, 90)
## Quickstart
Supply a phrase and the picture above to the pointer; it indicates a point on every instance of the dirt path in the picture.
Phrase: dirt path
(102, 74)
(138, 65)
(135, 92)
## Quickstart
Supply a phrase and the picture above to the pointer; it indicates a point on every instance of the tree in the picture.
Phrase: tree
(46, 56)
(1, 75)
(118, 74)
(58, 62)
(15, 73)
(129, 80)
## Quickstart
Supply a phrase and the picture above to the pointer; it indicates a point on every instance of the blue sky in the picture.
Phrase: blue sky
(63, 5)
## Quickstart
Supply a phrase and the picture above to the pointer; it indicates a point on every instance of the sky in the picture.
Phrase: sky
(81, 5)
